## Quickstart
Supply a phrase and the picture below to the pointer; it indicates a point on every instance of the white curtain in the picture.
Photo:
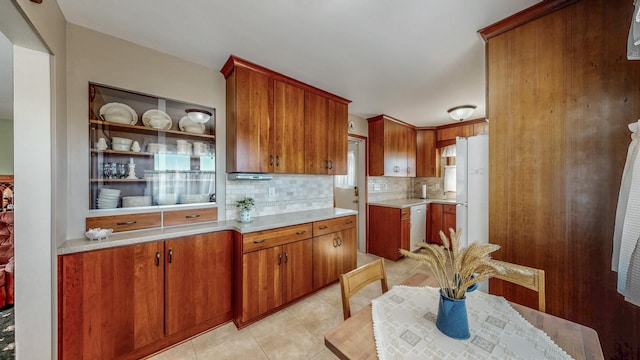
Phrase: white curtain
(626, 247)
(450, 178)
(348, 181)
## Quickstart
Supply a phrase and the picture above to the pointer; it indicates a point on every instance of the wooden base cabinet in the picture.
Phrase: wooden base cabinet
(131, 301)
(273, 268)
(441, 217)
(334, 250)
(389, 231)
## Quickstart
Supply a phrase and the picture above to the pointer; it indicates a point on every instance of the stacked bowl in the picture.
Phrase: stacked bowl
(108, 198)
(135, 201)
(121, 144)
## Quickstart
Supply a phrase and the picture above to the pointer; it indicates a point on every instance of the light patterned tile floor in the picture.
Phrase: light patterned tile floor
(296, 332)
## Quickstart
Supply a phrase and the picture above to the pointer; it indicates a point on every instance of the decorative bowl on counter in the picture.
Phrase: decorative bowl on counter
(98, 234)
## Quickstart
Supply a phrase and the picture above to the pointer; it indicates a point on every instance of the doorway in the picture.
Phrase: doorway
(350, 189)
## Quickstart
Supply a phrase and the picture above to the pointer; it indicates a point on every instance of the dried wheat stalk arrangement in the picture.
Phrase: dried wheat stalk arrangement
(457, 269)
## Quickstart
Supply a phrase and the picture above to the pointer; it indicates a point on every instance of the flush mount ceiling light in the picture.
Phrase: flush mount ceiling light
(461, 112)
(199, 116)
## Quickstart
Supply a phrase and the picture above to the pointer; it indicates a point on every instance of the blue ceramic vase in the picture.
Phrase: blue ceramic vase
(452, 317)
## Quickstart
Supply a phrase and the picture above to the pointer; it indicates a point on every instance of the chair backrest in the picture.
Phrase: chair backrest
(529, 277)
(354, 280)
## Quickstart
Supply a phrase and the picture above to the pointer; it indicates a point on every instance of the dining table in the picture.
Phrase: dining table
(354, 338)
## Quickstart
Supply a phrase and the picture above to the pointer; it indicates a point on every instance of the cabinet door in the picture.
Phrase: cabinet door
(426, 153)
(249, 115)
(410, 151)
(348, 250)
(327, 260)
(111, 301)
(317, 127)
(261, 282)
(298, 269)
(395, 144)
(448, 218)
(289, 129)
(436, 222)
(384, 232)
(337, 142)
(198, 280)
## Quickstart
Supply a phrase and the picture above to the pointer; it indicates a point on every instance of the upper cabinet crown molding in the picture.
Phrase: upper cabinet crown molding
(529, 14)
(235, 61)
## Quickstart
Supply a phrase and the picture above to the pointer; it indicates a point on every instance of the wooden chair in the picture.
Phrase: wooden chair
(529, 277)
(354, 280)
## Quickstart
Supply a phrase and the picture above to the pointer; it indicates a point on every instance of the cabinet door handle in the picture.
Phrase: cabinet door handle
(277, 160)
(339, 241)
(259, 241)
(157, 258)
(396, 169)
(301, 232)
(270, 160)
(330, 164)
(192, 216)
(335, 242)
(127, 223)
(279, 259)
(286, 257)
(408, 170)
(170, 256)
(324, 227)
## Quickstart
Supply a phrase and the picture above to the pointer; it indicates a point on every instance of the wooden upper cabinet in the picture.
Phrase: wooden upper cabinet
(271, 119)
(337, 142)
(325, 135)
(392, 150)
(427, 163)
(450, 133)
(249, 115)
(288, 149)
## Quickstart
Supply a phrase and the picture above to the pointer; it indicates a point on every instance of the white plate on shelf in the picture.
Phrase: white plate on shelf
(187, 125)
(118, 113)
(156, 119)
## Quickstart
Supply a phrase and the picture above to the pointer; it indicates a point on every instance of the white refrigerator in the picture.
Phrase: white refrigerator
(472, 189)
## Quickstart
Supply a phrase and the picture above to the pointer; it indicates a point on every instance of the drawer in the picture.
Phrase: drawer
(405, 213)
(126, 222)
(449, 209)
(181, 217)
(274, 237)
(333, 225)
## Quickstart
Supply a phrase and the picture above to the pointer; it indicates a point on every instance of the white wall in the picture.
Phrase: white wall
(34, 253)
(6, 147)
(97, 57)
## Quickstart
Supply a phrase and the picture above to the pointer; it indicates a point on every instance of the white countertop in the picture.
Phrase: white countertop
(404, 203)
(257, 224)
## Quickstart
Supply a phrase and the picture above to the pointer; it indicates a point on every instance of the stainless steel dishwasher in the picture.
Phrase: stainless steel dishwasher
(418, 221)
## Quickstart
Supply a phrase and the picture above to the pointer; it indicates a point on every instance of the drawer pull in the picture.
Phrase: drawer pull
(127, 223)
(192, 216)
(259, 241)
(301, 232)
(349, 222)
(324, 227)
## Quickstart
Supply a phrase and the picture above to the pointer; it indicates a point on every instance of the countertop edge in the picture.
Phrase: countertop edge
(405, 203)
(72, 246)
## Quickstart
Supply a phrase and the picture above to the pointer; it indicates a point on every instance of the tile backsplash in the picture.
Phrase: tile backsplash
(290, 193)
(383, 188)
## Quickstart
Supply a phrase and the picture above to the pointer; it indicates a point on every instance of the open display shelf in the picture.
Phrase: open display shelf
(168, 162)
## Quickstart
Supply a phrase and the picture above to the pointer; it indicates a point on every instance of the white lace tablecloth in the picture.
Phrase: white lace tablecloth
(404, 327)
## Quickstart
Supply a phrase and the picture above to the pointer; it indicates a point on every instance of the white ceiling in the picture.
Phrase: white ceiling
(410, 59)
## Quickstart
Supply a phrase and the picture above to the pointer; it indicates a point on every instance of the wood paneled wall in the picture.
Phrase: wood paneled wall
(560, 95)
